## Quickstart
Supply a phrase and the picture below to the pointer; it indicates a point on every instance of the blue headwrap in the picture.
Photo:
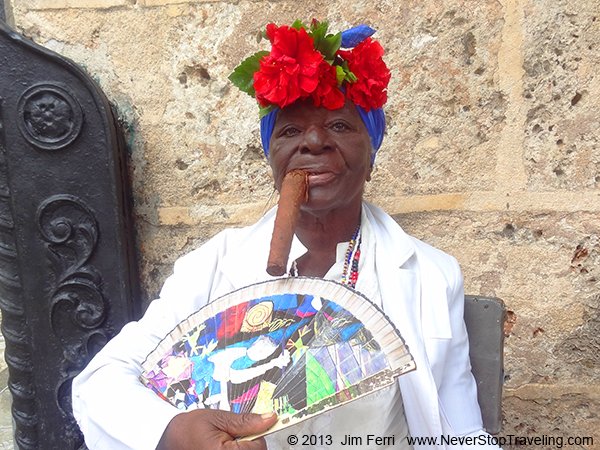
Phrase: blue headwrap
(374, 119)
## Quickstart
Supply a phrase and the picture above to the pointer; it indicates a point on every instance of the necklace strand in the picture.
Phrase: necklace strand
(351, 260)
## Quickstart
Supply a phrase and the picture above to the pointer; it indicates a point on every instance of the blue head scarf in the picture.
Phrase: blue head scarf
(374, 119)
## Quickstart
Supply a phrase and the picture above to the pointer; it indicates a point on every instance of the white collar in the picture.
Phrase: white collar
(243, 259)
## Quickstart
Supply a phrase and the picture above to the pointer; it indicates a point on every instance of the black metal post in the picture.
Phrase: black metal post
(68, 278)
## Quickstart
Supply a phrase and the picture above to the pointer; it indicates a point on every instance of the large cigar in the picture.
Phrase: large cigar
(294, 192)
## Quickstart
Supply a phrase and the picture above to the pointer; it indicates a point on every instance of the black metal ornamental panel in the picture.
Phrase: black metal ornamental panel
(68, 278)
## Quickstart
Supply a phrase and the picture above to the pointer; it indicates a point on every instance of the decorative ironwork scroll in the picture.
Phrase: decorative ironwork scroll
(68, 278)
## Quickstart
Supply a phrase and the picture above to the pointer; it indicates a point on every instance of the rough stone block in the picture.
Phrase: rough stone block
(61, 4)
(546, 267)
(446, 110)
(566, 420)
(561, 89)
(175, 215)
(168, 2)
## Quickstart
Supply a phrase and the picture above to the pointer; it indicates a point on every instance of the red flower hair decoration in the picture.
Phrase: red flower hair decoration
(307, 62)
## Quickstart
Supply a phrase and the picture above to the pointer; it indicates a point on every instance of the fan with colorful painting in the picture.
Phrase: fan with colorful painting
(297, 346)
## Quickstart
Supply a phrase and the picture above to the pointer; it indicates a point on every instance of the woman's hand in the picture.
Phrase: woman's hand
(207, 429)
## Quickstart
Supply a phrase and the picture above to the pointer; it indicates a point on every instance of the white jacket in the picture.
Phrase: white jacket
(424, 298)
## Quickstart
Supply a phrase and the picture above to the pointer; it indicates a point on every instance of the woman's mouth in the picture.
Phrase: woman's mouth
(320, 178)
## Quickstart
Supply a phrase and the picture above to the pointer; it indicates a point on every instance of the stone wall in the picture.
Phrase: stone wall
(491, 152)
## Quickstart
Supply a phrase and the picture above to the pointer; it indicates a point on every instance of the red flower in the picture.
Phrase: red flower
(327, 93)
(290, 71)
(365, 61)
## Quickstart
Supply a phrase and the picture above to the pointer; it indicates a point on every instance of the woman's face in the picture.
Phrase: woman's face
(332, 146)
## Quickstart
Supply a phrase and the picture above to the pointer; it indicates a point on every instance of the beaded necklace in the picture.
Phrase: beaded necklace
(351, 260)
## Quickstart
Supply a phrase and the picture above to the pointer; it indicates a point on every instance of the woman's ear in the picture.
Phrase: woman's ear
(369, 173)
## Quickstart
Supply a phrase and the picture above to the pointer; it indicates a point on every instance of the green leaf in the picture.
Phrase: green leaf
(317, 32)
(340, 74)
(298, 24)
(329, 45)
(243, 75)
(264, 110)
(348, 75)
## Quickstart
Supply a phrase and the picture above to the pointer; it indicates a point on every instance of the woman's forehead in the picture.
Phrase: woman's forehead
(306, 110)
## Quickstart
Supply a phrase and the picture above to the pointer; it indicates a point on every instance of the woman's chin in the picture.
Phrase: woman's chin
(325, 202)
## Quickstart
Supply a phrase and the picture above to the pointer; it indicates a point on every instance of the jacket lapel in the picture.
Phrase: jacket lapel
(398, 277)
(245, 260)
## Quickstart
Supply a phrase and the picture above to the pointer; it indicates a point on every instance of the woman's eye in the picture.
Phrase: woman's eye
(339, 126)
(290, 131)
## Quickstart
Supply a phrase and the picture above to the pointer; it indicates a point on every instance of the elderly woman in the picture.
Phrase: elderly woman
(322, 113)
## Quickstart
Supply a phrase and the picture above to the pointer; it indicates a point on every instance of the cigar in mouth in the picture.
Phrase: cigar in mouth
(294, 192)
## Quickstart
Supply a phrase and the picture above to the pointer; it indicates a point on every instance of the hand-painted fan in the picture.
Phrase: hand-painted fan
(297, 346)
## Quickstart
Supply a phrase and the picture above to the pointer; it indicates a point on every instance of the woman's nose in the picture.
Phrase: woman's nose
(316, 140)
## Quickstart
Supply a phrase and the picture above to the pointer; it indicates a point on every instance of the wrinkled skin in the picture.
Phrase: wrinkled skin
(335, 148)
(214, 430)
